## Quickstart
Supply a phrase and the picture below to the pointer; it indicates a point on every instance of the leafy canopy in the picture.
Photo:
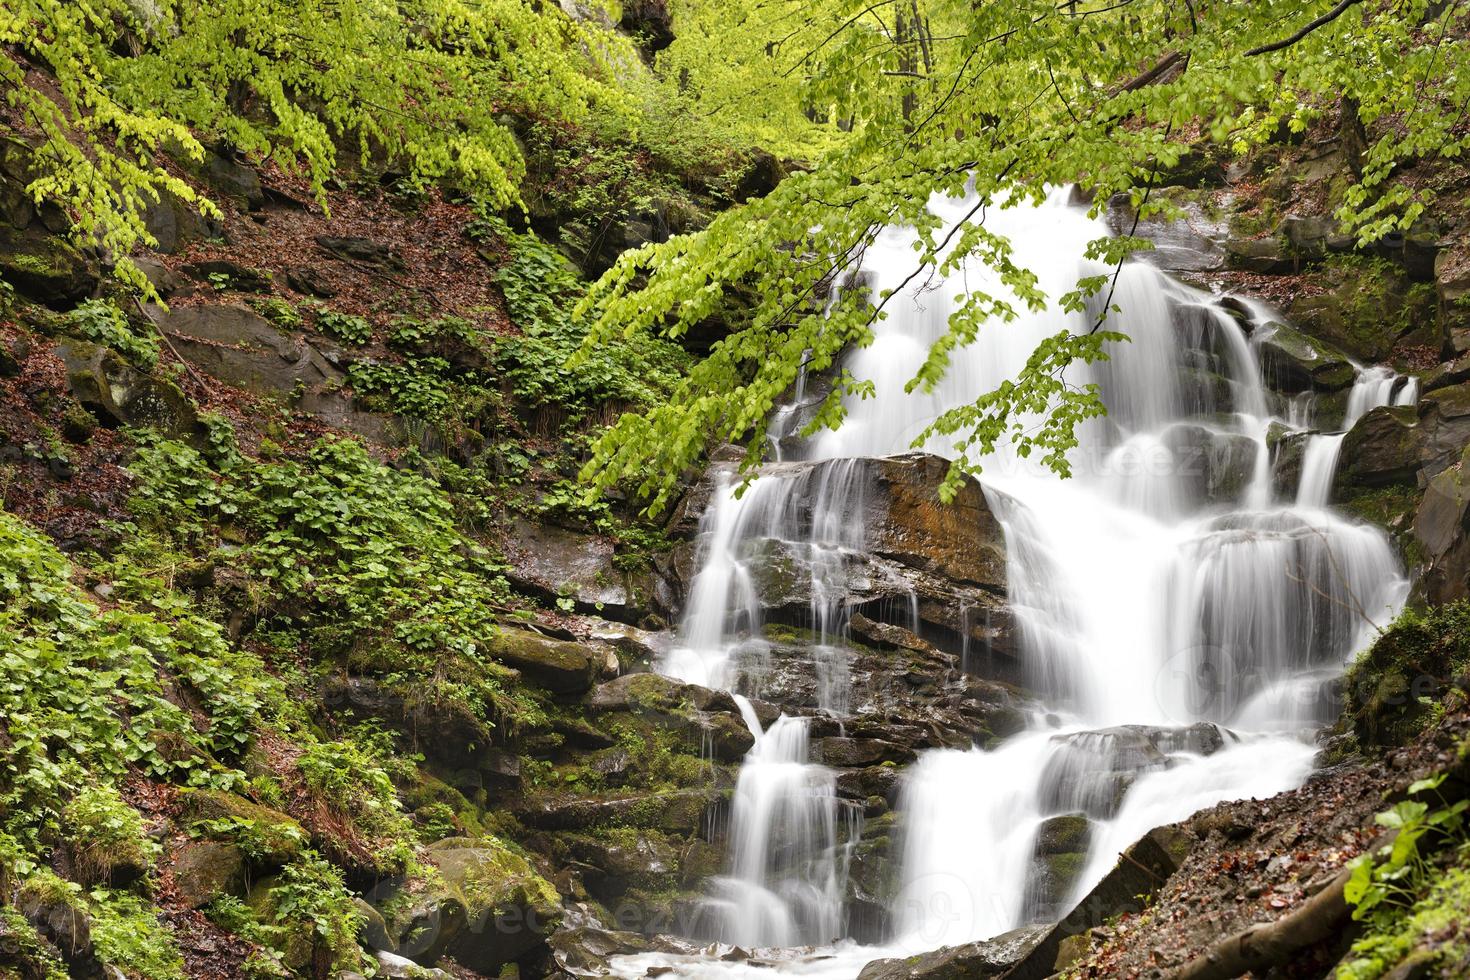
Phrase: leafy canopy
(897, 100)
(298, 82)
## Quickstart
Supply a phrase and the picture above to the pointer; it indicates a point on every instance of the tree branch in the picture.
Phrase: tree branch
(1324, 20)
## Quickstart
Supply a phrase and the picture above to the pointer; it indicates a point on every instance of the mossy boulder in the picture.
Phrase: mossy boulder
(1382, 449)
(621, 858)
(487, 907)
(119, 394)
(673, 811)
(45, 267)
(1395, 688)
(558, 666)
(1366, 307)
(269, 836)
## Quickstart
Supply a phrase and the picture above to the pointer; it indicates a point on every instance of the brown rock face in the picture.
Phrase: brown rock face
(960, 541)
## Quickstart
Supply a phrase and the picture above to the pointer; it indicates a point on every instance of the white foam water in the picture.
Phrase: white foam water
(1162, 585)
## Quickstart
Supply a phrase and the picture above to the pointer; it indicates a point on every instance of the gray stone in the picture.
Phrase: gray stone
(119, 394)
(553, 563)
(242, 348)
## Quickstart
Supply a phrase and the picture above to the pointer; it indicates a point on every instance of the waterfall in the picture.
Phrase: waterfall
(787, 862)
(1179, 629)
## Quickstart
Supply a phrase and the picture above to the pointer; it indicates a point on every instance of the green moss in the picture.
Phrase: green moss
(1400, 685)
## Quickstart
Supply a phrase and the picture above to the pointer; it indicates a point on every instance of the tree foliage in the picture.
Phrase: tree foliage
(898, 100)
(297, 82)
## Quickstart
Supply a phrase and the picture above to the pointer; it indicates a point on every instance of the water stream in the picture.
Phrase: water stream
(1180, 622)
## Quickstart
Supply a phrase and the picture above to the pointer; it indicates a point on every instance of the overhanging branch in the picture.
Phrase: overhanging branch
(1327, 18)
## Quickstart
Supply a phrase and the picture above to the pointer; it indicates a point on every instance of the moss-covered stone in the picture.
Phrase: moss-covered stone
(269, 835)
(1367, 307)
(1398, 685)
(560, 667)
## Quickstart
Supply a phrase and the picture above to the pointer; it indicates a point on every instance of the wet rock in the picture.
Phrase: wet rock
(880, 781)
(553, 563)
(850, 752)
(651, 22)
(1382, 449)
(558, 666)
(1142, 869)
(1440, 527)
(885, 635)
(203, 870)
(242, 348)
(1291, 362)
(1059, 859)
(584, 950)
(1092, 771)
(972, 961)
(960, 541)
(1193, 243)
(118, 394)
(1444, 426)
(1218, 466)
(623, 859)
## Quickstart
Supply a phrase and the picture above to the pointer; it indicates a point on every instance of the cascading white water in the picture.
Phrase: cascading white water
(787, 857)
(1160, 586)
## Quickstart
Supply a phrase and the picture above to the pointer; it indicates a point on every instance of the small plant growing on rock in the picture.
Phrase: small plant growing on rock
(106, 836)
(103, 322)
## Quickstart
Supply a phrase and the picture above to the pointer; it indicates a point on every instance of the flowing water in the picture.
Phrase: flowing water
(1180, 623)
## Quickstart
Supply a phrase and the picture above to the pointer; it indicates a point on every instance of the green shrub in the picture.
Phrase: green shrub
(102, 321)
(83, 690)
(541, 291)
(346, 327)
(277, 311)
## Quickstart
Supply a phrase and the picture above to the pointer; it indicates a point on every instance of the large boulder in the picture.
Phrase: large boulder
(1193, 242)
(1291, 362)
(1382, 449)
(1444, 426)
(242, 348)
(1366, 307)
(1440, 528)
(553, 563)
(486, 907)
(45, 267)
(203, 870)
(1141, 870)
(703, 719)
(559, 666)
